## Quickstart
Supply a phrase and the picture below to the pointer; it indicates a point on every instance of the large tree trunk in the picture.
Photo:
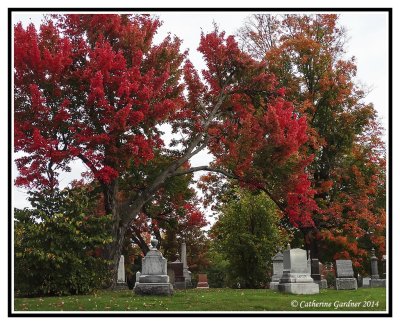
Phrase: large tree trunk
(115, 254)
(113, 250)
(124, 212)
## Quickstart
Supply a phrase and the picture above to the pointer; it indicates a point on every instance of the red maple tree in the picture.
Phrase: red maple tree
(96, 88)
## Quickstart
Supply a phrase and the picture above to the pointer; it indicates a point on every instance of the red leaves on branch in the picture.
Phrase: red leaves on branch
(306, 54)
(95, 87)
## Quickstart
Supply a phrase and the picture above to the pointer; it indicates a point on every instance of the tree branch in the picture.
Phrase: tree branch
(204, 168)
(133, 204)
(229, 175)
(88, 163)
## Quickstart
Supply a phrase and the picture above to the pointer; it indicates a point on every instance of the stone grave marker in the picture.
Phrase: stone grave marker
(345, 279)
(177, 268)
(121, 280)
(203, 281)
(365, 281)
(384, 266)
(295, 278)
(153, 280)
(316, 274)
(186, 273)
(277, 270)
(375, 280)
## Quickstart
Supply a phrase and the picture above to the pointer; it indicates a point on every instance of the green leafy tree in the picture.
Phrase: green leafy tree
(57, 244)
(246, 236)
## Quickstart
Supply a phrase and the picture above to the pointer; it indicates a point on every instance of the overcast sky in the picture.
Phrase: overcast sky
(368, 42)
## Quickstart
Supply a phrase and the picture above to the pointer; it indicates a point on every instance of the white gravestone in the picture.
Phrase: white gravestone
(186, 273)
(277, 270)
(296, 278)
(121, 281)
(153, 280)
(121, 270)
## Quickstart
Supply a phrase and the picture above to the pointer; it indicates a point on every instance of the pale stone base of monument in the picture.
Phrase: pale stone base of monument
(273, 286)
(377, 283)
(323, 284)
(121, 286)
(188, 284)
(296, 278)
(161, 289)
(299, 288)
(346, 284)
(153, 280)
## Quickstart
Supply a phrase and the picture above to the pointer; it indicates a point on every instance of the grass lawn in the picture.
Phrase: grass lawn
(364, 299)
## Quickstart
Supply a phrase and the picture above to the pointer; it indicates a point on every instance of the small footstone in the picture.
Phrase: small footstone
(203, 282)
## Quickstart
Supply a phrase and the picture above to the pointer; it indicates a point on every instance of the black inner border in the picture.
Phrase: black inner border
(388, 10)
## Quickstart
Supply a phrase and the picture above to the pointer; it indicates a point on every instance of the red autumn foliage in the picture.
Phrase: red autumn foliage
(96, 88)
(307, 55)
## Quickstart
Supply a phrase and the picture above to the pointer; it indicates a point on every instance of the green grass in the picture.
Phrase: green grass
(370, 299)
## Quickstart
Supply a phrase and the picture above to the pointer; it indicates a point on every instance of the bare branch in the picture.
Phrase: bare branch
(204, 168)
(229, 175)
(88, 163)
(132, 206)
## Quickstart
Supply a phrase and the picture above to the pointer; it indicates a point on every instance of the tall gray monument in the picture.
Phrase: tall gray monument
(295, 278)
(153, 280)
(186, 273)
(375, 280)
(121, 280)
(277, 270)
(345, 279)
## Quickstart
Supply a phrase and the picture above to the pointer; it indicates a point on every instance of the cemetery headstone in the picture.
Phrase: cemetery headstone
(374, 265)
(384, 266)
(203, 281)
(153, 280)
(365, 281)
(277, 270)
(121, 280)
(316, 274)
(171, 274)
(186, 273)
(177, 268)
(375, 280)
(295, 278)
(345, 279)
